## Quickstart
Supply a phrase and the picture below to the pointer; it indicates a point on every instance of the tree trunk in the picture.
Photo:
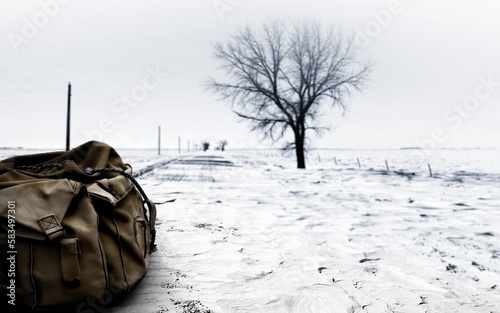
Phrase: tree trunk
(299, 149)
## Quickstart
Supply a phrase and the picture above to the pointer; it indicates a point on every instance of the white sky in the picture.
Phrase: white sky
(427, 86)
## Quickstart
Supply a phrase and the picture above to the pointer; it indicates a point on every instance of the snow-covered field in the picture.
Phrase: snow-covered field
(248, 232)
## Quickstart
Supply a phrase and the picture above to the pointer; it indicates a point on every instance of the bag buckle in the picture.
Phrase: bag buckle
(52, 227)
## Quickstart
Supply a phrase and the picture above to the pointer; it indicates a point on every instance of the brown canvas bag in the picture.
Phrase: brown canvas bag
(74, 226)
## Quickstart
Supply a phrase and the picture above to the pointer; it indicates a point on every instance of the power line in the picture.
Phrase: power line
(79, 97)
(25, 77)
(34, 66)
(46, 72)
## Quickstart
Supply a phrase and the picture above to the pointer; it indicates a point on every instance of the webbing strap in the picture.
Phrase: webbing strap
(52, 227)
(70, 252)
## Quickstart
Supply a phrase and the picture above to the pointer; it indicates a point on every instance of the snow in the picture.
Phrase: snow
(248, 232)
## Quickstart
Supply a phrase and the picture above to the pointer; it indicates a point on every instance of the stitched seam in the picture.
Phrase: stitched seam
(103, 258)
(103, 255)
(121, 249)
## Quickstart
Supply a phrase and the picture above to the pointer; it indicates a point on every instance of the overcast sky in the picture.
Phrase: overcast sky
(137, 65)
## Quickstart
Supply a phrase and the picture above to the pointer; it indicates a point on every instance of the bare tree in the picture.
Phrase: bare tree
(205, 145)
(280, 78)
(222, 144)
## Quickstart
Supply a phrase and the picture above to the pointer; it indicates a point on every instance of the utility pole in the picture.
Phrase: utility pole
(68, 117)
(159, 140)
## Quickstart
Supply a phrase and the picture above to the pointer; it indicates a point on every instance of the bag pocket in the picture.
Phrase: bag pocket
(140, 231)
(123, 229)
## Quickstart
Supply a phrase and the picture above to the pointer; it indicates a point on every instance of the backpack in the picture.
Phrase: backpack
(74, 226)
